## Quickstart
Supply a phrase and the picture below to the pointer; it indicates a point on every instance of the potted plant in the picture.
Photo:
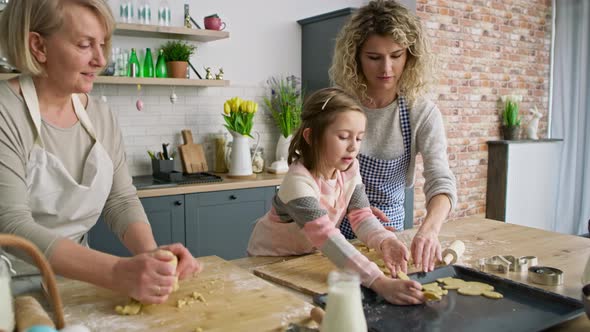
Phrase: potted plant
(177, 53)
(285, 103)
(510, 117)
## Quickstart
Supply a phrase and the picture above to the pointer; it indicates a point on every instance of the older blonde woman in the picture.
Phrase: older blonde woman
(382, 57)
(61, 152)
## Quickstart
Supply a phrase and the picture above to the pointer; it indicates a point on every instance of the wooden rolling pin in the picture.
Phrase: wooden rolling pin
(29, 313)
(317, 314)
(453, 252)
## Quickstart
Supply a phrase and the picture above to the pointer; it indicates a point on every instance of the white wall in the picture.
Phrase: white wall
(265, 40)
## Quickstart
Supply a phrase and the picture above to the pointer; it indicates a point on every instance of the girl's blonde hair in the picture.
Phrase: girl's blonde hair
(44, 17)
(319, 111)
(390, 19)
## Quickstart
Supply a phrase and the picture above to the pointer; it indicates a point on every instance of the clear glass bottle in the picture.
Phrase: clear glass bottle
(258, 160)
(220, 165)
(161, 70)
(344, 307)
(148, 64)
(133, 69)
(164, 15)
(126, 11)
(144, 12)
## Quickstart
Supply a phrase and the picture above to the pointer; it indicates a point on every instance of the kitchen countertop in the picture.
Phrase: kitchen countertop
(483, 238)
(147, 189)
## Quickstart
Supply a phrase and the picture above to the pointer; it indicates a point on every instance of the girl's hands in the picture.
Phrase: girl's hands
(395, 255)
(398, 291)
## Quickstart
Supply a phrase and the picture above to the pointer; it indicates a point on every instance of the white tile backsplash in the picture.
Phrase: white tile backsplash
(197, 109)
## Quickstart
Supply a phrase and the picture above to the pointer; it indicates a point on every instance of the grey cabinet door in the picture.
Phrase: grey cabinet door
(166, 216)
(220, 223)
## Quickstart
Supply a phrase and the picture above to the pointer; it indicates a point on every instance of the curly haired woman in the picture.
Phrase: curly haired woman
(382, 56)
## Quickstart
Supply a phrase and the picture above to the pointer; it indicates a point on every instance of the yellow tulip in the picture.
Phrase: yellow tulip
(226, 108)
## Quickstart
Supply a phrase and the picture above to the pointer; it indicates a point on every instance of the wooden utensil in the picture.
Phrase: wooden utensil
(453, 252)
(29, 312)
(192, 155)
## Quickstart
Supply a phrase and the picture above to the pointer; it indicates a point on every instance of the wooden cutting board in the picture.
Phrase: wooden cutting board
(235, 301)
(191, 154)
(309, 274)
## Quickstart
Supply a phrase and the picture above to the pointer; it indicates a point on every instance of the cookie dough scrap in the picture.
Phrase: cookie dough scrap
(493, 295)
(433, 292)
(131, 308)
(401, 275)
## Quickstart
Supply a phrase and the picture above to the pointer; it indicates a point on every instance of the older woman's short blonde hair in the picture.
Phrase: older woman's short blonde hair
(44, 17)
(382, 18)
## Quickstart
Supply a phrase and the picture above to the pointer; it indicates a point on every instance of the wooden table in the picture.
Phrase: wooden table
(483, 238)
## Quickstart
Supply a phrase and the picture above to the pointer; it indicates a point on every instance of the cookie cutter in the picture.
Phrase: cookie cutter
(497, 264)
(545, 275)
(521, 264)
(506, 263)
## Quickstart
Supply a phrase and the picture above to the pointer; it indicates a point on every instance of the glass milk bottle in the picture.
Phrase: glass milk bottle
(344, 308)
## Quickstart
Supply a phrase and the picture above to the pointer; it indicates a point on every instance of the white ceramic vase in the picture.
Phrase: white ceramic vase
(240, 160)
(282, 151)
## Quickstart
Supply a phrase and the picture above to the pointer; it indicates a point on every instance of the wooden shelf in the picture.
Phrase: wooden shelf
(157, 31)
(147, 81)
(159, 81)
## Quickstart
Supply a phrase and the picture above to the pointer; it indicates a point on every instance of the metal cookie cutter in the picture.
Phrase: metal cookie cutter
(544, 275)
(520, 264)
(495, 264)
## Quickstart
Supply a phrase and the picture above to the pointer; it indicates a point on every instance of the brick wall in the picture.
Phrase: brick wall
(486, 49)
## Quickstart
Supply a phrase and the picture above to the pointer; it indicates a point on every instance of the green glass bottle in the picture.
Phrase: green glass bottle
(161, 70)
(133, 68)
(148, 64)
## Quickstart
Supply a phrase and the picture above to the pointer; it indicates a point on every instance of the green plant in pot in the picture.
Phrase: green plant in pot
(510, 117)
(177, 53)
(285, 103)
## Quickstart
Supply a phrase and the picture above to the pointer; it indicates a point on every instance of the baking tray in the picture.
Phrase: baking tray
(523, 308)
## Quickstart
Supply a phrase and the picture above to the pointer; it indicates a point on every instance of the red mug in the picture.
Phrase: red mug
(214, 23)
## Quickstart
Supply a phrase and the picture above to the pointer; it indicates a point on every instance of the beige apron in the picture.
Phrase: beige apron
(56, 200)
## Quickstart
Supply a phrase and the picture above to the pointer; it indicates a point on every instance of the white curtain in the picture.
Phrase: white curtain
(570, 118)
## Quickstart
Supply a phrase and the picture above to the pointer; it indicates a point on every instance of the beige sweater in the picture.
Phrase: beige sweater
(71, 146)
(383, 140)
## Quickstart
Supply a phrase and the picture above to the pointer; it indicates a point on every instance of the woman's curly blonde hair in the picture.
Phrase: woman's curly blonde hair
(383, 18)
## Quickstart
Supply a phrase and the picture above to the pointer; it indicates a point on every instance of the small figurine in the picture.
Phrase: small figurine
(173, 98)
(208, 75)
(533, 125)
(220, 75)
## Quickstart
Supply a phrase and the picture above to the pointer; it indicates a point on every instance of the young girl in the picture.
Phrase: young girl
(324, 184)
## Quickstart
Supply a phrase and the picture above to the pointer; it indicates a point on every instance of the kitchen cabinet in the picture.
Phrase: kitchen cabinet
(318, 34)
(166, 216)
(156, 31)
(209, 223)
(220, 223)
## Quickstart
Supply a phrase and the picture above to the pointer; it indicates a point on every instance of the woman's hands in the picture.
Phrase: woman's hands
(395, 255)
(426, 249)
(149, 277)
(398, 291)
(187, 264)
